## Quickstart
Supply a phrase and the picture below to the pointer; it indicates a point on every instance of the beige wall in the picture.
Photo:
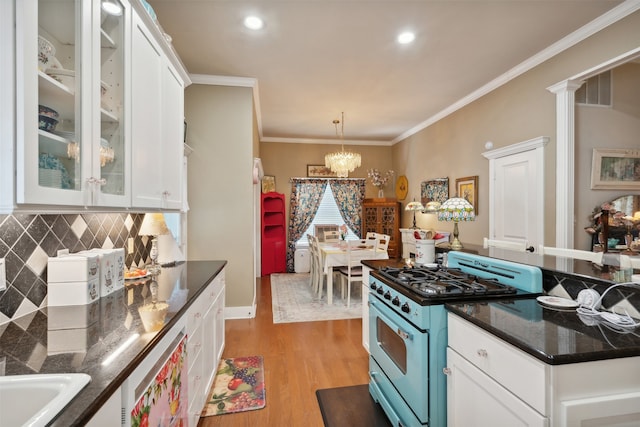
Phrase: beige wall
(517, 111)
(286, 160)
(617, 126)
(221, 190)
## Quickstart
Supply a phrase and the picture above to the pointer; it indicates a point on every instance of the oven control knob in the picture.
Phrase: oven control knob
(405, 307)
(373, 286)
(380, 290)
(387, 295)
(395, 301)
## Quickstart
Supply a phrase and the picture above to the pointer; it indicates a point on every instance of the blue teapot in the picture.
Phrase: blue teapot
(611, 243)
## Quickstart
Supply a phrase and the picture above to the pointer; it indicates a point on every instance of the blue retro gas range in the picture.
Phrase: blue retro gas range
(408, 328)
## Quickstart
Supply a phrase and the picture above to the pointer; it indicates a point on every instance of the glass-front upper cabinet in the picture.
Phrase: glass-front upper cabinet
(70, 70)
(114, 20)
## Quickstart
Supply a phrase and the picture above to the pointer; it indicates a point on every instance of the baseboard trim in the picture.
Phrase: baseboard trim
(246, 312)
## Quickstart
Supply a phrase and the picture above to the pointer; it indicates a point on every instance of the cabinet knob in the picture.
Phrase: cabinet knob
(446, 371)
(482, 352)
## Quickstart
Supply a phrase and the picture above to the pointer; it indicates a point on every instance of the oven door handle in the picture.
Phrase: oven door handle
(399, 331)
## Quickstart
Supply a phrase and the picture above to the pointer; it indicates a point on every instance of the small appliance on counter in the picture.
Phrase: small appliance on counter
(73, 279)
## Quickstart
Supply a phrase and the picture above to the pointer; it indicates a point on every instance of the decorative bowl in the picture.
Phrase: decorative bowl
(66, 77)
(47, 123)
(45, 52)
(43, 110)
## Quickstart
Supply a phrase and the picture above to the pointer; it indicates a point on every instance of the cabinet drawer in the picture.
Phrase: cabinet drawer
(195, 315)
(513, 369)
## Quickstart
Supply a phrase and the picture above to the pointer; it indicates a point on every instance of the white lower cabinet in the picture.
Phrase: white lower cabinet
(366, 271)
(492, 383)
(109, 412)
(205, 326)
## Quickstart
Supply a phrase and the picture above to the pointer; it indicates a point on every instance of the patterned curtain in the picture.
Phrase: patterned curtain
(349, 194)
(306, 194)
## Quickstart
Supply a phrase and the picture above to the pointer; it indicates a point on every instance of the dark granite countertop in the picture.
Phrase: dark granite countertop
(77, 339)
(553, 336)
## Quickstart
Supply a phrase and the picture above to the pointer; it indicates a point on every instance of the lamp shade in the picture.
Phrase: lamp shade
(456, 209)
(432, 207)
(153, 225)
(414, 206)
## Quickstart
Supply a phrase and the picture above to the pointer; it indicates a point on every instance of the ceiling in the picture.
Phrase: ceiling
(314, 59)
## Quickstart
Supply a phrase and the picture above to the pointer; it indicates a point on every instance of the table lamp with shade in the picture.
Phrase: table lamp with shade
(415, 207)
(153, 225)
(456, 209)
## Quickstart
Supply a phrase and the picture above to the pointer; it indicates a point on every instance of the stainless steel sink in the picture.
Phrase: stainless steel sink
(34, 400)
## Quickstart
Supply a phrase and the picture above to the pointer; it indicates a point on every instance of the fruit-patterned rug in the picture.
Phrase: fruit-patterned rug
(237, 387)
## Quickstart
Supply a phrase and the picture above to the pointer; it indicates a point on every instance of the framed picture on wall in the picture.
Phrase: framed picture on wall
(434, 190)
(268, 183)
(467, 188)
(615, 169)
(320, 171)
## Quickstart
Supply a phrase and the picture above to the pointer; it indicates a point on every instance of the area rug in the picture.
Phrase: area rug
(350, 406)
(237, 387)
(293, 300)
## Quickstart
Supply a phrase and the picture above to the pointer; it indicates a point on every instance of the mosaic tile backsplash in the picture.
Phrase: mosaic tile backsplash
(26, 242)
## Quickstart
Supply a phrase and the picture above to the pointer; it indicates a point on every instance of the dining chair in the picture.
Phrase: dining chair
(352, 272)
(383, 241)
(319, 229)
(316, 278)
(332, 236)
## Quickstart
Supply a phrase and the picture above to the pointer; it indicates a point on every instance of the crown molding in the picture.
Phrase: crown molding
(598, 24)
(325, 141)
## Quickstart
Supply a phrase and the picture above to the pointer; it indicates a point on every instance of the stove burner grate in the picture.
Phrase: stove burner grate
(435, 282)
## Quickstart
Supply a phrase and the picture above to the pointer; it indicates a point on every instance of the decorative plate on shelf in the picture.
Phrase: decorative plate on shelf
(402, 187)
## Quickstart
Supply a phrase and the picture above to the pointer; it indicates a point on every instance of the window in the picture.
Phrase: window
(328, 213)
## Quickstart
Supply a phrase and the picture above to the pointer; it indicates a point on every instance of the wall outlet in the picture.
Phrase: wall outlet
(130, 245)
(3, 275)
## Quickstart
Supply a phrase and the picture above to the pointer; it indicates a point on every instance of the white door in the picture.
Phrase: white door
(516, 192)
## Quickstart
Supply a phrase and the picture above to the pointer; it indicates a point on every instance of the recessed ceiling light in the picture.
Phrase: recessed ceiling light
(406, 37)
(253, 22)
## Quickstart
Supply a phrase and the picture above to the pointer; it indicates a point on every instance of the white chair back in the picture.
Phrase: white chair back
(383, 241)
(332, 236)
(319, 230)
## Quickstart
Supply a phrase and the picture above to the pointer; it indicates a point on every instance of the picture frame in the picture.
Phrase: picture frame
(467, 188)
(615, 169)
(320, 171)
(434, 190)
(268, 183)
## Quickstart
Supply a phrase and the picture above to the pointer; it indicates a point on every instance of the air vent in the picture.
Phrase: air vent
(596, 90)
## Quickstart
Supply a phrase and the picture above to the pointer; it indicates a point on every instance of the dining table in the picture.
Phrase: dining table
(335, 254)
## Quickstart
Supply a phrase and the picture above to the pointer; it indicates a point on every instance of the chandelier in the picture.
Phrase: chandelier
(342, 162)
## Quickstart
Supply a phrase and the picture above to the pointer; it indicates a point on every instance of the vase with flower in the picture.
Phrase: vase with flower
(379, 180)
(343, 235)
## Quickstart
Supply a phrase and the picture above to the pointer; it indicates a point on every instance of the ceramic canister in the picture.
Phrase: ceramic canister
(425, 251)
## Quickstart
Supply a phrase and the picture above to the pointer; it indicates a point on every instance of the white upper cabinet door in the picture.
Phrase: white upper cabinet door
(70, 147)
(146, 123)
(157, 125)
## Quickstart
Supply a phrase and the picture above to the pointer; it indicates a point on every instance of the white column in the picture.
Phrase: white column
(565, 161)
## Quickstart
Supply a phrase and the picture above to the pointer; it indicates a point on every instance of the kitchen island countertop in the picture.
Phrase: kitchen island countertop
(553, 336)
(39, 343)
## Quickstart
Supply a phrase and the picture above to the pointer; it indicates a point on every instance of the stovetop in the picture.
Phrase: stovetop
(436, 282)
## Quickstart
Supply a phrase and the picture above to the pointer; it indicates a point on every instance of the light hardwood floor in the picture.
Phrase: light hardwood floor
(299, 358)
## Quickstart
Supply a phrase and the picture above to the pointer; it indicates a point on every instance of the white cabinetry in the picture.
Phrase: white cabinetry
(157, 128)
(205, 326)
(491, 382)
(110, 411)
(366, 271)
(117, 88)
(81, 159)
